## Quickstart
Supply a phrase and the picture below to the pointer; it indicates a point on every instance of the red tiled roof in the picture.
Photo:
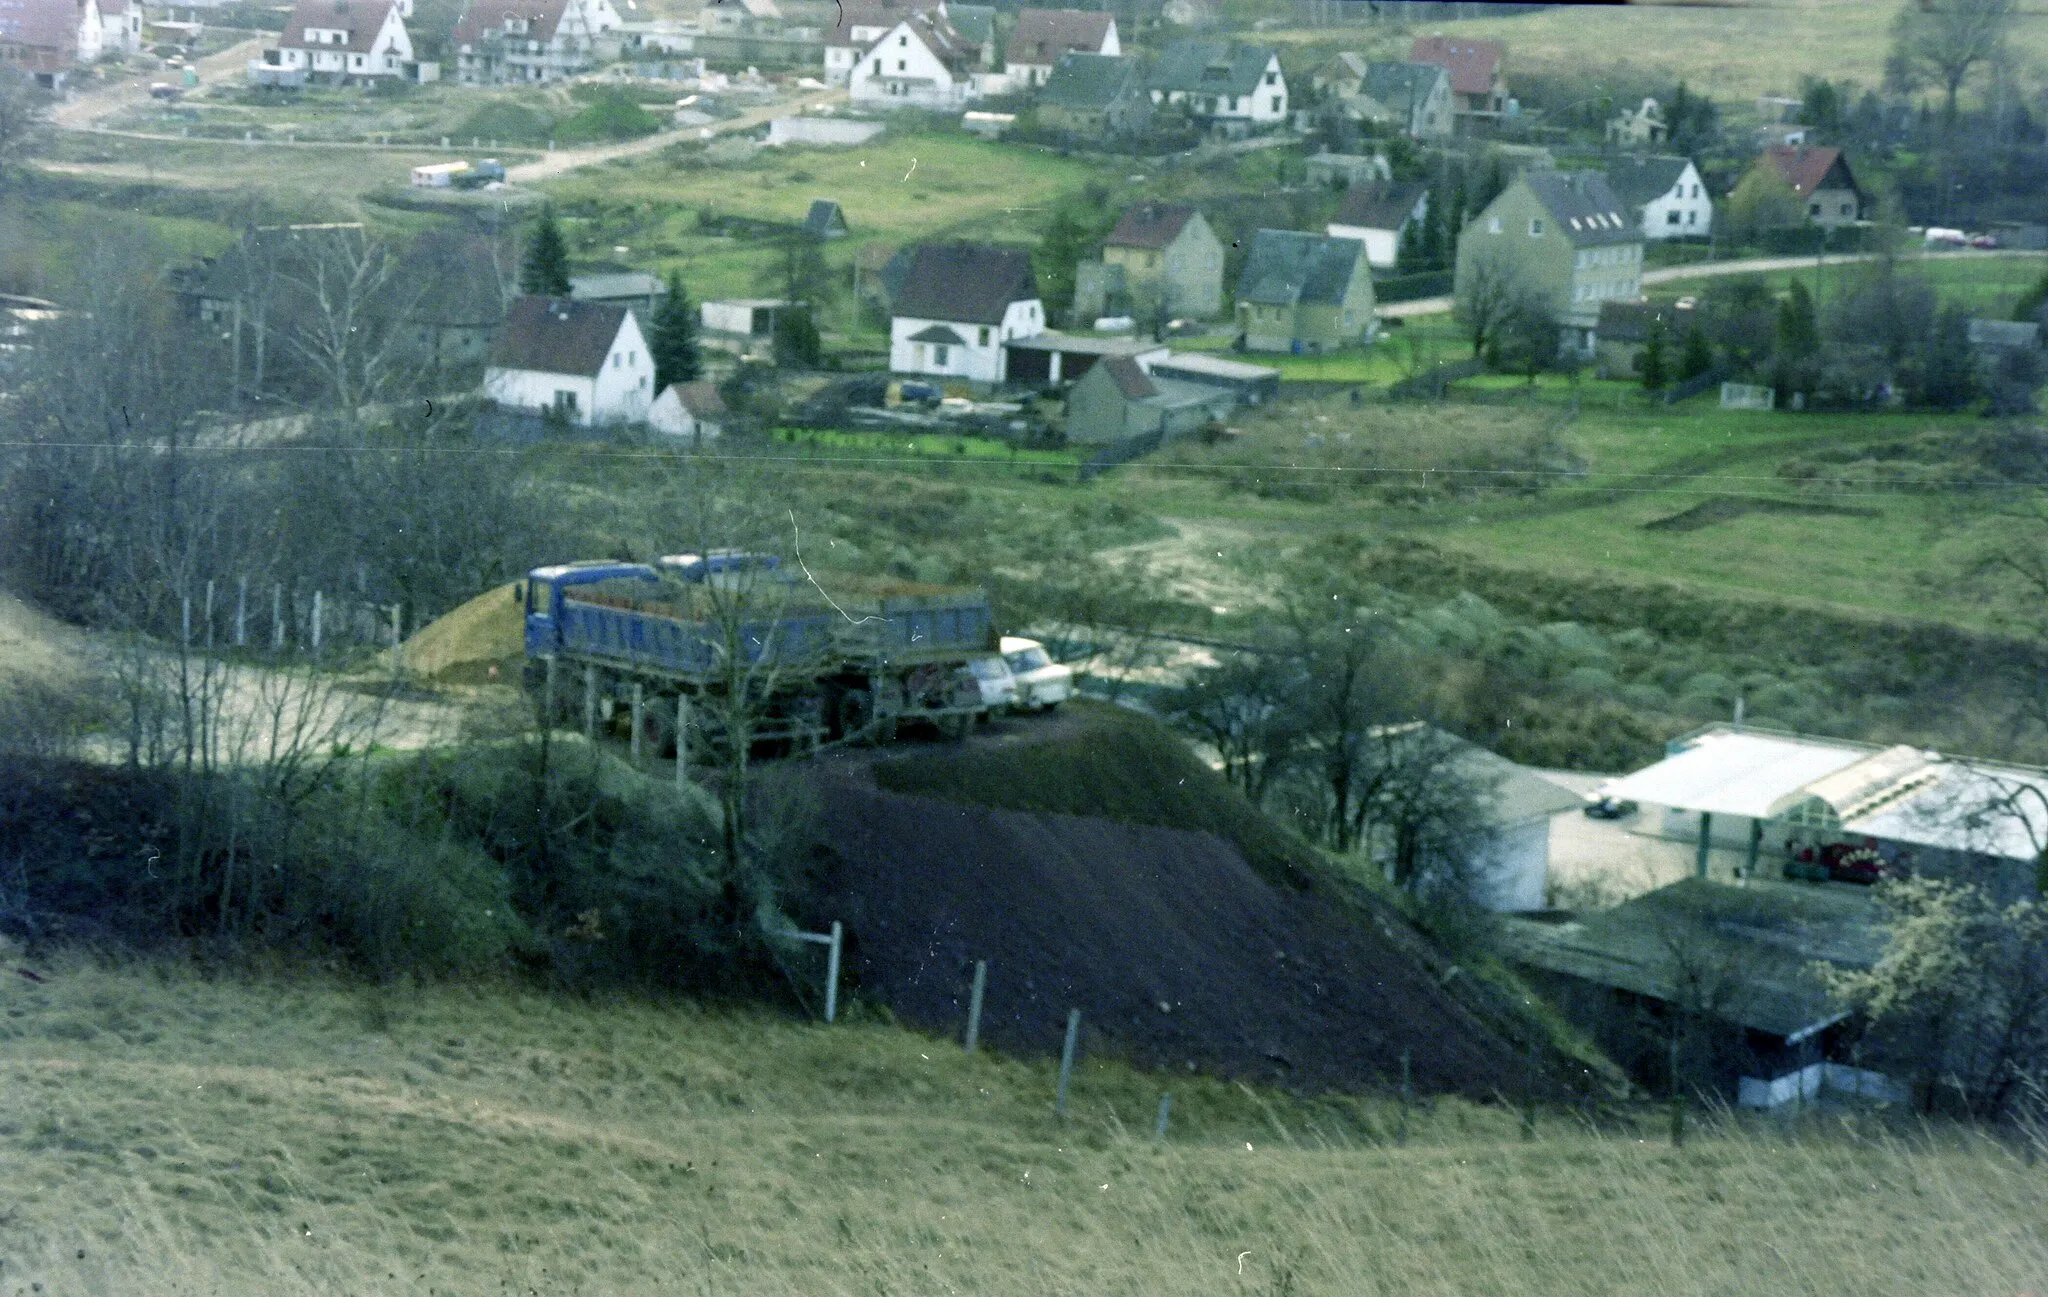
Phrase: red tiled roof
(1804, 168)
(44, 24)
(361, 19)
(1150, 225)
(1043, 35)
(1472, 64)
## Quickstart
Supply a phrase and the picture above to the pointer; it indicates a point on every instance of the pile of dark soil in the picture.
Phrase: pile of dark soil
(1727, 508)
(1177, 952)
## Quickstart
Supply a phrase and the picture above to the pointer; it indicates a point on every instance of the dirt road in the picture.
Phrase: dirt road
(83, 110)
(563, 161)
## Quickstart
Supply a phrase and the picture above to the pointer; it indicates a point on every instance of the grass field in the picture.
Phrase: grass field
(166, 1131)
(1732, 52)
(1981, 285)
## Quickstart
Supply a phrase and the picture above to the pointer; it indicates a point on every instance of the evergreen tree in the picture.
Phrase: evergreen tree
(1798, 331)
(1948, 374)
(1698, 356)
(672, 337)
(545, 270)
(1411, 257)
(2031, 301)
(1652, 363)
(797, 345)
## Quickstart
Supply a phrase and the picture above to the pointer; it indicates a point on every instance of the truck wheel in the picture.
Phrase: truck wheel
(855, 711)
(956, 727)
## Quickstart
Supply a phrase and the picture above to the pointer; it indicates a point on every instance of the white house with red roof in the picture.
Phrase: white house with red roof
(1479, 93)
(347, 40)
(501, 41)
(921, 62)
(1043, 35)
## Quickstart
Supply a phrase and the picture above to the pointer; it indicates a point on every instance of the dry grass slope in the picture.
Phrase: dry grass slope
(165, 1132)
(487, 631)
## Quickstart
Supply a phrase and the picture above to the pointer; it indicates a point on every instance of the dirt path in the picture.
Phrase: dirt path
(563, 161)
(79, 112)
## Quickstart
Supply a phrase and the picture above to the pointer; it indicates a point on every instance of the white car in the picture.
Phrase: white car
(1042, 684)
(992, 676)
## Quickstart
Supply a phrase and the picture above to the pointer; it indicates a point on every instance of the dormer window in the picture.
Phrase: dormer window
(1535, 227)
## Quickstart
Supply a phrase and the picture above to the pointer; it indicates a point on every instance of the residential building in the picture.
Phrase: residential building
(636, 290)
(1378, 214)
(1117, 399)
(921, 62)
(583, 362)
(1563, 235)
(1172, 261)
(1412, 98)
(825, 220)
(1633, 128)
(691, 411)
(120, 25)
(1479, 93)
(958, 304)
(1230, 89)
(1664, 196)
(347, 40)
(1822, 179)
(48, 39)
(1624, 329)
(1042, 36)
(459, 283)
(1303, 293)
(510, 41)
(1343, 170)
(857, 28)
(1095, 96)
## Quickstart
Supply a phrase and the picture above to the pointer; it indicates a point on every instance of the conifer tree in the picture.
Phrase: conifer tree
(1698, 356)
(1653, 357)
(672, 337)
(545, 270)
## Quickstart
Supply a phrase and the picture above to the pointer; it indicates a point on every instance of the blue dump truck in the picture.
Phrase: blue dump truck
(668, 644)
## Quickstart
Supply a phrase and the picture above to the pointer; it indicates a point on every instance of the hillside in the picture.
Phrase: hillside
(165, 1131)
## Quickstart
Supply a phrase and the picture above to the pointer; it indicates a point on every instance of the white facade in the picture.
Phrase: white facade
(670, 415)
(977, 356)
(820, 131)
(91, 32)
(901, 71)
(121, 28)
(618, 392)
(327, 50)
(839, 59)
(1024, 75)
(1685, 210)
(1266, 105)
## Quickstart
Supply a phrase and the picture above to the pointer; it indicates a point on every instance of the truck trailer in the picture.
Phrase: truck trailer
(670, 642)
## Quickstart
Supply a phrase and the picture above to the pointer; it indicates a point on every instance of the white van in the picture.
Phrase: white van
(1041, 683)
(992, 676)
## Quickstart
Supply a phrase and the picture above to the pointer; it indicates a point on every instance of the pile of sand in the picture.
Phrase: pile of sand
(36, 648)
(467, 641)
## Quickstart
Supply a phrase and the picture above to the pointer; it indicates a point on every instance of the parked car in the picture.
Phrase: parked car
(1840, 862)
(1609, 808)
(1042, 684)
(992, 677)
(164, 90)
(1984, 240)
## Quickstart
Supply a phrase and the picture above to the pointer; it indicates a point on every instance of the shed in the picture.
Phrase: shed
(741, 317)
(1117, 399)
(825, 220)
(633, 289)
(688, 410)
(1051, 358)
(1249, 384)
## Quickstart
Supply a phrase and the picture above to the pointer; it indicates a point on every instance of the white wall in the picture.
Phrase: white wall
(980, 361)
(625, 386)
(901, 72)
(1382, 247)
(820, 130)
(531, 389)
(669, 415)
(1689, 200)
(1515, 872)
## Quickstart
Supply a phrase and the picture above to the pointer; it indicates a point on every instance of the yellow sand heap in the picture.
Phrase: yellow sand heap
(487, 630)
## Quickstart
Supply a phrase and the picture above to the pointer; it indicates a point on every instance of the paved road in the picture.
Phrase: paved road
(1712, 269)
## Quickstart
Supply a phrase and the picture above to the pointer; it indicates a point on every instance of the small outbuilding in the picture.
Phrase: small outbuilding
(1248, 384)
(693, 412)
(1117, 399)
(825, 220)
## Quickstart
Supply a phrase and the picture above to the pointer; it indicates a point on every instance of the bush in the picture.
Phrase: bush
(612, 115)
(506, 122)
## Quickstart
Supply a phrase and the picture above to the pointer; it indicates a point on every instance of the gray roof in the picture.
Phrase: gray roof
(1085, 81)
(1632, 321)
(825, 220)
(1078, 344)
(1174, 394)
(1187, 363)
(455, 278)
(1400, 86)
(1586, 211)
(972, 283)
(2008, 334)
(1286, 267)
(975, 22)
(938, 333)
(556, 335)
(1639, 180)
(1379, 205)
(1744, 954)
(1210, 68)
(1042, 35)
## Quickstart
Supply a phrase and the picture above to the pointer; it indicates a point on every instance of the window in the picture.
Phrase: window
(940, 353)
(1276, 103)
(1272, 77)
(903, 40)
(565, 402)
(1237, 103)
(1813, 209)
(616, 359)
(983, 339)
(1695, 191)
(901, 66)
(1535, 227)
(1671, 217)
(1845, 209)
(878, 67)
(1493, 225)
(1689, 217)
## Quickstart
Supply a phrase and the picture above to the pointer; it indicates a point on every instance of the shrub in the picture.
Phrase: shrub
(612, 115)
(506, 122)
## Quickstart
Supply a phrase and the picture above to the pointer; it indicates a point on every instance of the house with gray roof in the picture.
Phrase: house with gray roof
(1172, 261)
(1095, 96)
(1303, 293)
(1116, 399)
(958, 304)
(1042, 36)
(1563, 234)
(583, 362)
(1664, 196)
(1231, 89)
(1378, 214)
(1413, 98)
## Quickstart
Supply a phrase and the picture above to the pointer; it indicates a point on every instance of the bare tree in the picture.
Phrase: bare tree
(21, 120)
(1943, 41)
(1244, 707)
(1490, 287)
(348, 329)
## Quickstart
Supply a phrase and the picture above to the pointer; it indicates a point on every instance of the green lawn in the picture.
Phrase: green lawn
(878, 449)
(1981, 284)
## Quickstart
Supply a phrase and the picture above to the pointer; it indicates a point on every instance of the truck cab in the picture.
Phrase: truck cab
(1042, 684)
(543, 596)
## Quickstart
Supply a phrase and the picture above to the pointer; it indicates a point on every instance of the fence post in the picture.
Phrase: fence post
(1407, 1098)
(396, 612)
(316, 623)
(209, 616)
(589, 701)
(277, 617)
(1059, 1103)
(682, 740)
(547, 703)
(242, 612)
(832, 972)
(1159, 1124)
(1529, 1097)
(974, 1004)
(185, 621)
(639, 717)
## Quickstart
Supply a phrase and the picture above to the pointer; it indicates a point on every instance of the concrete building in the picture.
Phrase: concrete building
(1172, 261)
(1479, 91)
(1304, 293)
(958, 305)
(583, 362)
(1664, 196)
(523, 41)
(1562, 234)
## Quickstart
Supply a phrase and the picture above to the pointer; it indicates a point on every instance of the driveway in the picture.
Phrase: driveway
(1598, 863)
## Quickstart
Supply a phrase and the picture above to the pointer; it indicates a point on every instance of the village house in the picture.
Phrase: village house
(1117, 399)
(1095, 96)
(1303, 293)
(48, 39)
(1633, 128)
(1172, 261)
(1479, 93)
(345, 40)
(582, 362)
(958, 304)
(1664, 196)
(742, 325)
(511, 41)
(120, 25)
(1561, 234)
(458, 302)
(1822, 179)
(1042, 36)
(921, 62)
(859, 27)
(1230, 89)
(1378, 214)
(1412, 98)
(692, 412)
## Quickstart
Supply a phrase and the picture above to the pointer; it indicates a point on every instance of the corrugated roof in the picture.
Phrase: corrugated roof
(1090, 81)
(1735, 773)
(1745, 954)
(557, 335)
(1640, 180)
(1471, 63)
(1042, 35)
(1585, 209)
(972, 283)
(1285, 267)
(361, 19)
(1210, 68)
(1150, 225)
(484, 19)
